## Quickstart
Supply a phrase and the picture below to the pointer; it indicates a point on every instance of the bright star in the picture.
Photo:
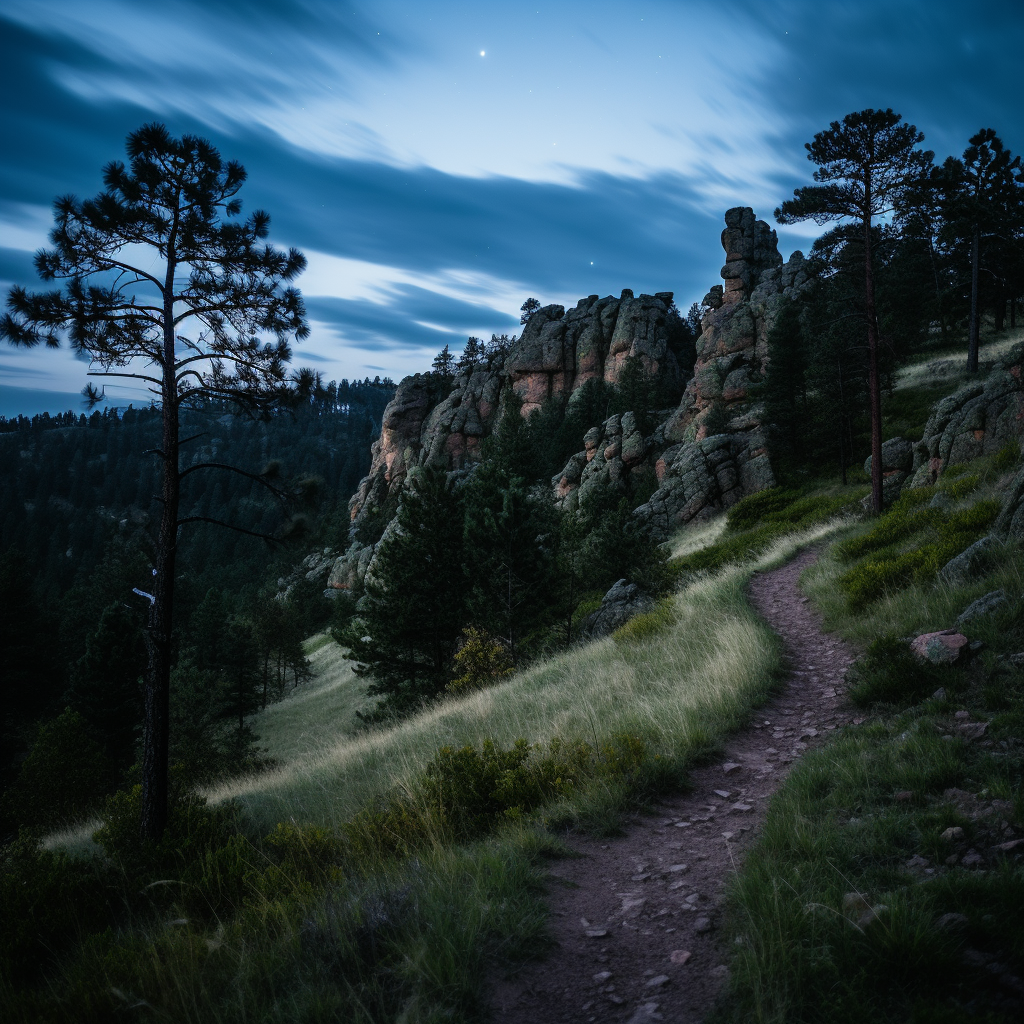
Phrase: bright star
(483, 53)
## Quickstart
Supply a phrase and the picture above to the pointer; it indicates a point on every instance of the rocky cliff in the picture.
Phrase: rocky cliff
(710, 451)
(704, 455)
(558, 352)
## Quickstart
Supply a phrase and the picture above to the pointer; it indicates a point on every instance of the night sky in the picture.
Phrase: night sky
(439, 162)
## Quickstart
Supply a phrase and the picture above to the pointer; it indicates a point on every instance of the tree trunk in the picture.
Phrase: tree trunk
(156, 733)
(972, 340)
(842, 422)
(1000, 308)
(874, 381)
(158, 640)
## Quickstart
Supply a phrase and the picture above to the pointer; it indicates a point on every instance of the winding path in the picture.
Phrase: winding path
(636, 919)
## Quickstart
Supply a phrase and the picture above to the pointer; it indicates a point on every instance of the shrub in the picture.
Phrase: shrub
(890, 673)
(889, 569)
(903, 519)
(1007, 457)
(961, 486)
(647, 625)
(47, 899)
(480, 661)
(193, 829)
(756, 508)
(63, 778)
(784, 507)
(465, 793)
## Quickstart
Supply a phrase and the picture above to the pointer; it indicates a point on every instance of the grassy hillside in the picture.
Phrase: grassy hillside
(679, 687)
(375, 874)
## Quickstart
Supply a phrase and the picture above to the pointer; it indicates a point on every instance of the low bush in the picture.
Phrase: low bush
(890, 673)
(467, 792)
(755, 523)
(480, 661)
(942, 537)
(904, 518)
(961, 486)
(785, 507)
(646, 625)
(760, 507)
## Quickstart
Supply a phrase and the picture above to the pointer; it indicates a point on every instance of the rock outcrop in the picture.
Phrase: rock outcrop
(622, 602)
(715, 450)
(315, 568)
(977, 419)
(557, 353)
(703, 456)
(1010, 522)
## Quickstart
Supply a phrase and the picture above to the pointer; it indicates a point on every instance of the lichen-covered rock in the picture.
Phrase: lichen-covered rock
(986, 605)
(897, 461)
(970, 564)
(613, 453)
(706, 454)
(559, 351)
(1010, 521)
(314, 568)
(942, 648)
(977, 419)
(702, 478)
(623, 601)
(710, 452)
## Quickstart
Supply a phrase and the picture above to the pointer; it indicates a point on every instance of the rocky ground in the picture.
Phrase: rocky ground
(636, 920)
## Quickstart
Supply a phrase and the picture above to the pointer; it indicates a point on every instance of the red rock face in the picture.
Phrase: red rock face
(557, 353)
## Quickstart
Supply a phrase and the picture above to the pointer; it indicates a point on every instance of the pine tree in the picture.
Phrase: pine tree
(528, 308)
(865, 165)
(444, 364)
(471, 354)
(407, 633)
(983, 204)
(164, 286)
(511, 543)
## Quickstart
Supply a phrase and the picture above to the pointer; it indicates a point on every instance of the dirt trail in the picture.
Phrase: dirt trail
(636, 919)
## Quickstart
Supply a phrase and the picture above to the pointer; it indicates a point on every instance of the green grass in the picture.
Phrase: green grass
(684, 689)
(325, 917)
(837, 831)
(295, 726)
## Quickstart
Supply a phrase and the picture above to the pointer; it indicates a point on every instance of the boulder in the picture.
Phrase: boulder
(1010, 521)
(971, 563)
(618, 606)
(897, 457)
(943, 648)
(977, 419)
(983, 606)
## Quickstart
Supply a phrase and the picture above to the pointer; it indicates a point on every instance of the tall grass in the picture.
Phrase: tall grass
(681, 691)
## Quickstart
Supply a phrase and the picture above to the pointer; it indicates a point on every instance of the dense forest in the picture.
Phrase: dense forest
(75, 531)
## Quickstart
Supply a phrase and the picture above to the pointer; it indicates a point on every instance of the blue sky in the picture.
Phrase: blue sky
(439, 162)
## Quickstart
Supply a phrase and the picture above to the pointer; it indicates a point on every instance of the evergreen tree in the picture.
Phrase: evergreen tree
(106, 682)
(471, 354)
(511, 542)
(405, 637)
(865, 165)
(444, 364)
(983, 205)
(528, 308)
(161, 289)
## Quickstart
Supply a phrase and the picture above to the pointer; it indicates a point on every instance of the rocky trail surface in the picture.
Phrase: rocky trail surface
(636, 920)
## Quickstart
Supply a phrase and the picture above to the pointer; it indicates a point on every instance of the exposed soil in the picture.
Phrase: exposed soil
(636, 920)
